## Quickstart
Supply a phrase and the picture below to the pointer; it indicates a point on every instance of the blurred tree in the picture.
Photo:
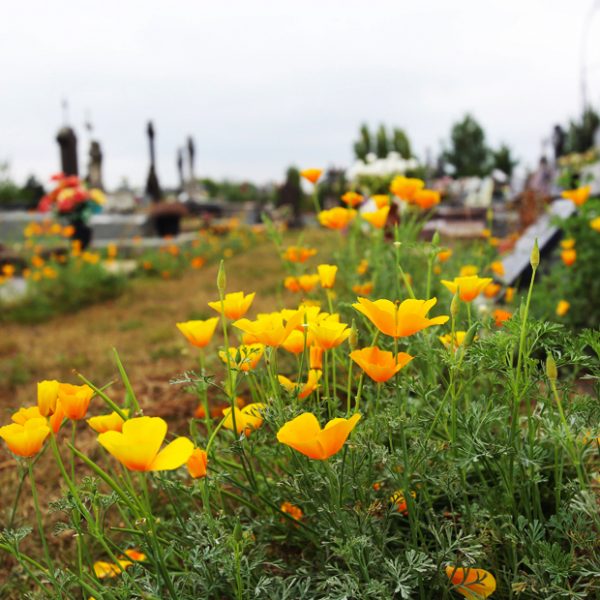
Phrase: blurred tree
(362, 146)
(468, 153)
(382, 146)
(503, 160)
(580, 135)
(401, 143)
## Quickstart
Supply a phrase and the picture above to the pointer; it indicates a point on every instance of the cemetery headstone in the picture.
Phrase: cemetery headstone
(67, 141)
(152, 185)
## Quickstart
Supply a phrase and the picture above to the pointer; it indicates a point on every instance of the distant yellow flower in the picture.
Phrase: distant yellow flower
(303, 390)
(111, 251)
(473, 584)
(27, 439)
(567, 244)
(298, 254)
(245, 357)
(468, 287)
(103, 569)
(8, 270)
(500, 316)
(337, 217)
(304, 283)
(562, 308)
(579, 196)
(312, 175)
(363, 289)
(305, 435)
(399, 499)
(497, 268)
(405, 188)
(426, 199)
(137, 447)
(327, 275)
(459, 338)
(110, 422)
(380, 200)
(270, 330)
(568, 256)
(491, 290)
(197, 463)
(292, 510)
(235, 304)
(247, 419)
(352, 199)
(198, 333)
(401, 320)
(377, 218)
(486, 233)
(378, 364)
(49, 273)
(25, 413)
(74, 399)
(363, 266)
(468, 271)
(595, 224)
(328, 333)
(47, 395)
(509, 295)
(444, 255)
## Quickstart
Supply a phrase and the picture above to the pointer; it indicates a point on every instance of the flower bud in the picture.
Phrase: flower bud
(435, 240)
(535, 255)
(454, 305)
(551, 370)
(221, 277)
(470, 335)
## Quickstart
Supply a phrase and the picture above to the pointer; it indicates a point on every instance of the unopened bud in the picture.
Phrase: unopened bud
(397, 244)
(353, 338)
(551, 369)
(435, 240)
(237, 532)
(535, 255)
(454, 305)
(221, 277)
(470, 335)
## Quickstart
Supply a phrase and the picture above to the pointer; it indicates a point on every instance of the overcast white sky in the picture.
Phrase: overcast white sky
(263, 84)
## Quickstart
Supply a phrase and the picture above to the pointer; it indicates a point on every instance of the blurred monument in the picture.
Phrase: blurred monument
(180, 170)
(67, 141)
(94, 176)
(558, 141)
(290, 194)
(152, 186)
(191, 156)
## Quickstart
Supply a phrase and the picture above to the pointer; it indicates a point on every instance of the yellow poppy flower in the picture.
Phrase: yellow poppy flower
(138, 445)
(74, 399)
(303, 390)
(312, 175)
(329, 333)
(405, 188)
(579, 196)
(270, 330)
(562, 308)
(377, 218)
(336, 218)
(352, 199)
(468, 287)
(27, 439)
(327, 275)
(198, 333)
(197, 463)
(235, 304)
(111, 422)
(247, 419)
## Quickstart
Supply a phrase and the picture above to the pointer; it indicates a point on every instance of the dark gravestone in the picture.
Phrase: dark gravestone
(67, 140)
(517, 269)
(180, 170)
(191, 157)
(152, 186)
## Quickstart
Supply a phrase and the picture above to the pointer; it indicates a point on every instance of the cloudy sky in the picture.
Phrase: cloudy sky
(262, 84)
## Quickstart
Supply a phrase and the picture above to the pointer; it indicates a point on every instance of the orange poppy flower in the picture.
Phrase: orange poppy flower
(312, 175)
(197, 463)
(352, 199)
(468, 271)
(426, 199)
(399, 499)
(298, 254)
(380, 200)
(336, 218)
(377, 218)
(378, 364)
(568, 256)
(405, 188)
(401, 320)
(290, 509)
(329, 333)
(444, 255)
(235, 304)
(297, 341)
(497, 268)
(509, 295)
(579, 196)
(595, 224)
(491, 290)
(305, 435)
(363, 289)
(74, 399)
(468, 287)
(197, 262)
(500, 316)
(315, 359)
(362, 267)
(473, 584)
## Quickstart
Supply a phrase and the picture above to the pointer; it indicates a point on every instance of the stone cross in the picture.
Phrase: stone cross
(152, 185)
(67, 140)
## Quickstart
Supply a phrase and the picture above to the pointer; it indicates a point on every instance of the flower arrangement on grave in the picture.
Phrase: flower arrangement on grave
(74, 203)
